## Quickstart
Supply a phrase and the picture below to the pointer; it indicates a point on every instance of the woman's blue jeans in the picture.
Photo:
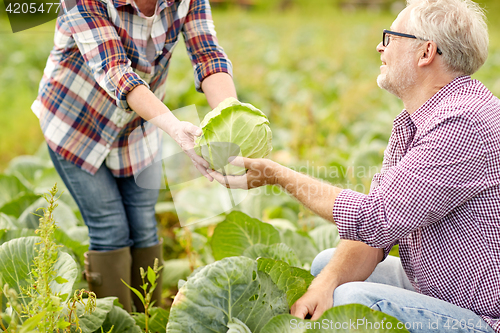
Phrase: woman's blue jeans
(389, 290)
(117, 212)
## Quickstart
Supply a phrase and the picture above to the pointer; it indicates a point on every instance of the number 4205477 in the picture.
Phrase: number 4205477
(33, 8)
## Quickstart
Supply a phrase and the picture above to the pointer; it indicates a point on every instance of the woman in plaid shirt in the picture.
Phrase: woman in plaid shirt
(105, 77)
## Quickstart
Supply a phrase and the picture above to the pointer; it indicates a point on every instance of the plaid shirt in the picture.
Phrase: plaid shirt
(438, 197)
(98, 57)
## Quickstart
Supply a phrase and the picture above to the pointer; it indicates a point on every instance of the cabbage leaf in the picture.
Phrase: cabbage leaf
(231, 288)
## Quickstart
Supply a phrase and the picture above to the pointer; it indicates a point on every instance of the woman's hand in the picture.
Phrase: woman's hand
(260, 172)
(149, 107)
(184, 134)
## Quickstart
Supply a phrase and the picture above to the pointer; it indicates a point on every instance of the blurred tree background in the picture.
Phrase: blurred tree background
(310, 65)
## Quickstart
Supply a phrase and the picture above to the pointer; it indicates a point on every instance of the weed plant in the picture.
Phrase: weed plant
(148, 287)
(46, 311)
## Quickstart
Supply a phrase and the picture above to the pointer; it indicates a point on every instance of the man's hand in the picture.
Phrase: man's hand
(316, 195)
(314, 302)
(260, 172)
(352, 261)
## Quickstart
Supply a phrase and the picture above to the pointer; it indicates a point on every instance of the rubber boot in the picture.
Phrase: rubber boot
(144, 257)
(104, 271)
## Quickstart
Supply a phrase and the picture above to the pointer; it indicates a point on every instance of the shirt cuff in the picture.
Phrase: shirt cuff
(345, 214)
(126, 84)
(388, 249)
(205, 69)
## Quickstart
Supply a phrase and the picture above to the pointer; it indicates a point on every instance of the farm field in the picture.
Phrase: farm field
(312, 70)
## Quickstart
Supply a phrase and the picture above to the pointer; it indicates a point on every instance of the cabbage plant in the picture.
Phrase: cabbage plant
(253, 284)
(233, 129)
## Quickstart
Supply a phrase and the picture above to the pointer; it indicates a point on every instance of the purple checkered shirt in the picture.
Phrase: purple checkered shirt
(438, 197)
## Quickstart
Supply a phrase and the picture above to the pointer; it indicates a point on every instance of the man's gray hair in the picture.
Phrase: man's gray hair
(458, 27)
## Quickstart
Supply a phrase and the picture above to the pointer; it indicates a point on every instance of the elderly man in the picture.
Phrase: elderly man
(438, 195)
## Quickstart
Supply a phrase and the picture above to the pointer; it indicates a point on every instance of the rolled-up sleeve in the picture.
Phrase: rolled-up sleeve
(444, 169)
(202, 45)
(346, 212)
(102, 49)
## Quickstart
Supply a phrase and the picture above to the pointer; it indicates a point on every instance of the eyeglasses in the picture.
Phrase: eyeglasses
(386, 38)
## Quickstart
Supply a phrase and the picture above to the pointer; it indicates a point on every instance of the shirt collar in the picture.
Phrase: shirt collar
(119, 3)
(422, 113)
(401, 119)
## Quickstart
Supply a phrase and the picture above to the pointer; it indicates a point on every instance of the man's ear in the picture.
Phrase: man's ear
(428, 54)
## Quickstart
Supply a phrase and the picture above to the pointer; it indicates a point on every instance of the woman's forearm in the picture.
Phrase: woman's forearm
(217, 87)
(149, 107)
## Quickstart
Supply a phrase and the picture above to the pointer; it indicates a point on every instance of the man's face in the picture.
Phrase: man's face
(398, 70)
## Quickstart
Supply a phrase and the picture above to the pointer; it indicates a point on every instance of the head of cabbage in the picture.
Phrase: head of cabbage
(233, 129)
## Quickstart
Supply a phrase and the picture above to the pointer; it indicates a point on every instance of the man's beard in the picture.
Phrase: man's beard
(399, 78)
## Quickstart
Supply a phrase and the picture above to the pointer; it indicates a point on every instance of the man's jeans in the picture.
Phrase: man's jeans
(117, 212)
(389, 290)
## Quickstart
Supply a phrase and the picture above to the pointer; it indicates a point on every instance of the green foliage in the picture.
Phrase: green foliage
(22, 59)
(118, 320)
(40, 274)
(12, 319)
(235, 325)
(149, 284)
(292, 234)
(175, 270)
(229, 288)
(292, 280)
(219, 296)
(157, 322)
(91, 321)
(42, 278)
(302, 244)
(23, 184)
(325, 236)
(242, 294)
(106, 316)
(18, 205)
(28, 169)
(278, 251)
(238, 232)
(12, 188)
